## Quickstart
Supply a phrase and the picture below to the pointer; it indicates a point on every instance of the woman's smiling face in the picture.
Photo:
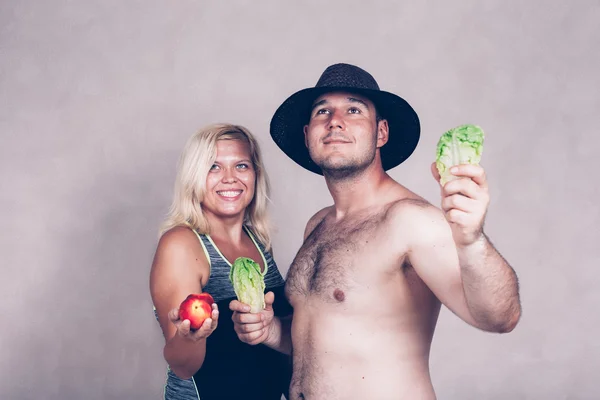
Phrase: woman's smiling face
(230, 183)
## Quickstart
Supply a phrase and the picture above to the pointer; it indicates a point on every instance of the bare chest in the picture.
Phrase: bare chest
(338, 258)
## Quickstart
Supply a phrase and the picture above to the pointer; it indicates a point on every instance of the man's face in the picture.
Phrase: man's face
(343, 135)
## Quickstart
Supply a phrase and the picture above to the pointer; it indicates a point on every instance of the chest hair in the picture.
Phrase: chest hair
(326, 261)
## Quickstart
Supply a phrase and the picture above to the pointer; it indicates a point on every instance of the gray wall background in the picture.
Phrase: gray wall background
(98, 97)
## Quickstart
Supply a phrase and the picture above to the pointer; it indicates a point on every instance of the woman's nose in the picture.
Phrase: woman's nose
(229, 176)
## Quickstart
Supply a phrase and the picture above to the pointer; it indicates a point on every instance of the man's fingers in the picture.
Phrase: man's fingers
(473, 171)
(269, 300)
(236, 305)
(464, 186)
(248, 328)
(252, 337)
(457, 217)
(246, 318)
(459, 202)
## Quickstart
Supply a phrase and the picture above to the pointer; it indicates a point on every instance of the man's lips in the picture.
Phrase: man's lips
(336, 141)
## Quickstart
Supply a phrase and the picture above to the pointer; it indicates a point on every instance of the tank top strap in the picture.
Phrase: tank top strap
(205, 246)
(273, 277)
(219, 285)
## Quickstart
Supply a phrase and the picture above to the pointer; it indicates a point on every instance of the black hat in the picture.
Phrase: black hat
(287, 125)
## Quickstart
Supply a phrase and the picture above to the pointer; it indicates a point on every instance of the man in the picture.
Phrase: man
(368, 282)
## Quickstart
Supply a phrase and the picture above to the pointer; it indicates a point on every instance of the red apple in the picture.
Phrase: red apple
(197, 307)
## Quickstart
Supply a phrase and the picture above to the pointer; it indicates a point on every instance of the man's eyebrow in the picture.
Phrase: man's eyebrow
(355, 100)
(350, 99)
(318, 103)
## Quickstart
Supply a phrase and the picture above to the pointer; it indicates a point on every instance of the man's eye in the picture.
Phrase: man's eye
(354, 110)
(322, 111)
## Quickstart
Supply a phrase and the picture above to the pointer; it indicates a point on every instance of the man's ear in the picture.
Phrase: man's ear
(383, 132)
(305, 135)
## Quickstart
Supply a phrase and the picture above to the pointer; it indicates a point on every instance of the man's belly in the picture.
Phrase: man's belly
(342, 356)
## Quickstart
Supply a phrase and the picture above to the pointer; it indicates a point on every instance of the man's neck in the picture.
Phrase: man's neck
(357, 192)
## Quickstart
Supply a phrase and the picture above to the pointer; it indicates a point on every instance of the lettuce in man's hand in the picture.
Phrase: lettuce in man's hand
(460, 145)
(248, 283)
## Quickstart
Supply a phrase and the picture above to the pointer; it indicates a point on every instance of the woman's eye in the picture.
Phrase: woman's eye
(214, 167)
(242, 166)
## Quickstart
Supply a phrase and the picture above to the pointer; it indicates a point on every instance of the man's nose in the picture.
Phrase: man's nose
(336, 120)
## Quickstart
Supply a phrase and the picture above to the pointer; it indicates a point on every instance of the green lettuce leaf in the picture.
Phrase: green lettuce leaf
(248, 283)
(460, 145)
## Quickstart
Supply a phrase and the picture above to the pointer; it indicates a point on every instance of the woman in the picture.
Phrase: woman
(219, 213)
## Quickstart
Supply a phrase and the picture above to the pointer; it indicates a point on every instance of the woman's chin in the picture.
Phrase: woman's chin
(231, 213)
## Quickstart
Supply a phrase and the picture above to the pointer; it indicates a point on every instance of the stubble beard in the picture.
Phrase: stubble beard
(347, 169)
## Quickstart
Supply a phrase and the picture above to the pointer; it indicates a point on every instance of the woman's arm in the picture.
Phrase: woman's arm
(178, 269)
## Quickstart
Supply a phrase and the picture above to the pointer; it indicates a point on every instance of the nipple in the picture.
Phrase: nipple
(339, 295)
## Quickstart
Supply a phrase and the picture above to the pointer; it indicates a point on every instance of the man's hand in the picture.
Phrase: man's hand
(253, 328)
(183, 327)
(465, 202)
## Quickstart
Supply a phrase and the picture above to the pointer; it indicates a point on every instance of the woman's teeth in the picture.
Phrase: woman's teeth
(229, 193)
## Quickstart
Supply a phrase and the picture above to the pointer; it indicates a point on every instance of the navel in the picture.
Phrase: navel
(339, 295)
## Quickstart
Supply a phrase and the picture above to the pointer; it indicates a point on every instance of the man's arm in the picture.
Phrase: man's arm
(473, 281)
(457, 260)
(491, 286)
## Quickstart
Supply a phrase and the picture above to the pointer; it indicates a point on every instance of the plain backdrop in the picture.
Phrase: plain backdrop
(97, 99)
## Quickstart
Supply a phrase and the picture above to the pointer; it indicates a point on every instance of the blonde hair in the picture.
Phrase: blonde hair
(197, 158)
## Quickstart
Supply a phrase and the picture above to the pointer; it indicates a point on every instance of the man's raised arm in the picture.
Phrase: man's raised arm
(454, 257)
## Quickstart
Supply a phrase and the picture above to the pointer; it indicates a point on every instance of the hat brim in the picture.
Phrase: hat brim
(287, 125)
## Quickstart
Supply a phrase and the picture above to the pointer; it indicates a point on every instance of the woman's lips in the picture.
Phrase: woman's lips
(229, 195)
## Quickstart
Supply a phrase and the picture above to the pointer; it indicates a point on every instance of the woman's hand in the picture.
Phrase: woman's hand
(183, 326)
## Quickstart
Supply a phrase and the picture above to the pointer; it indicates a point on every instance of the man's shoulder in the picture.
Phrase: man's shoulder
(316, 220)
(415, 213)
(319, 215)
(401, 200)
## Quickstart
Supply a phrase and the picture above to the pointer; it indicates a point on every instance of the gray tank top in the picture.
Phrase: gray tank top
(218, 285)
(210, 382)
